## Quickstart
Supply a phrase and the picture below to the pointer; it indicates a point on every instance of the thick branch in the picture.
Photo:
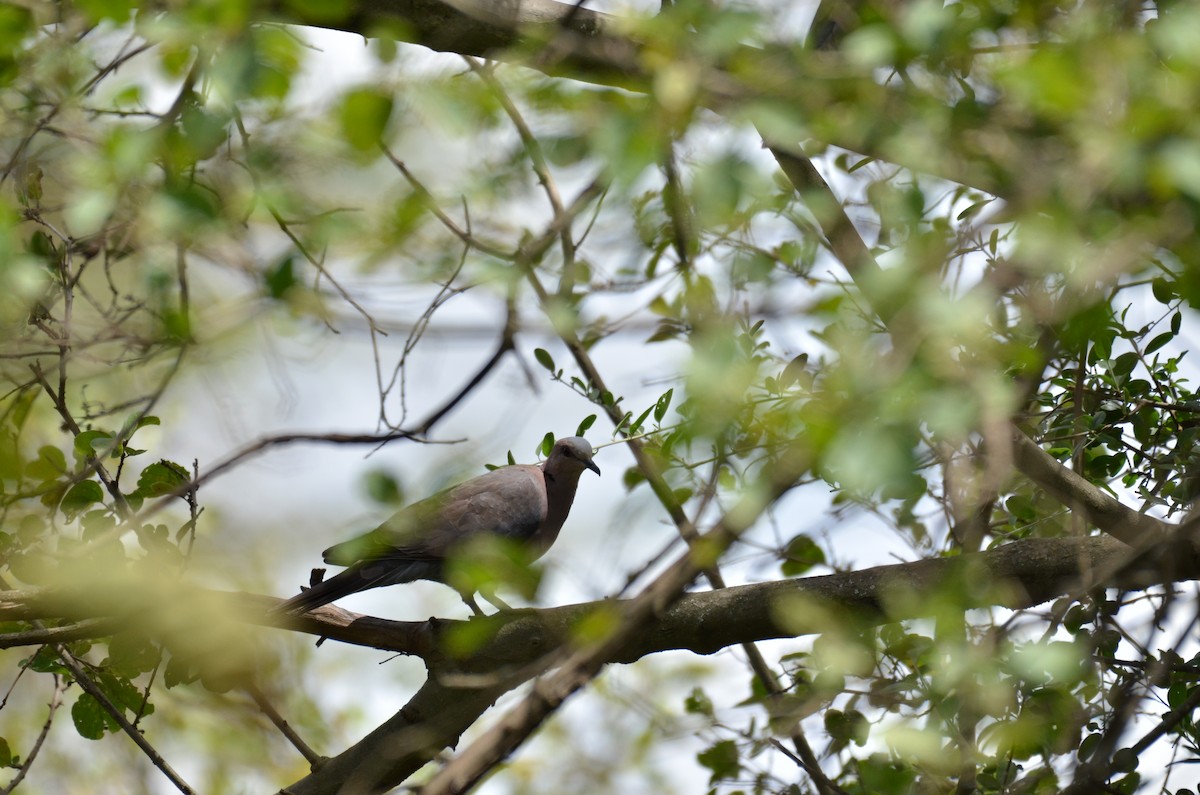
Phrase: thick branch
(565, 40)
(1017, 575)
(1020, 574)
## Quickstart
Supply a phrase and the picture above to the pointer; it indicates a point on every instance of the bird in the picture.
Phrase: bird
(527, 503)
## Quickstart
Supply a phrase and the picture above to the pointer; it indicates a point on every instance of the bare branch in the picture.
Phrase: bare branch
(60, 685)
(263, 703)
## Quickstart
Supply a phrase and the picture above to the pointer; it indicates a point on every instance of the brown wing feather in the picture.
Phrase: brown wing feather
(510, 502)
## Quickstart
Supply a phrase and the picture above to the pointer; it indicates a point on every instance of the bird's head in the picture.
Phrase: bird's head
(571, 455)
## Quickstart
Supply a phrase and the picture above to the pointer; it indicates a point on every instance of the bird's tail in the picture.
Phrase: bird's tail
(358, 577)
(341, 584)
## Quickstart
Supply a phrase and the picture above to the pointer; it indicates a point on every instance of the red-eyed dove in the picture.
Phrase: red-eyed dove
(525, 502)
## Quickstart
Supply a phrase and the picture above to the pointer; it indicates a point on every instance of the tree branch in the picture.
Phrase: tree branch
(1074, 492)
(574, 42)
(1016, 575)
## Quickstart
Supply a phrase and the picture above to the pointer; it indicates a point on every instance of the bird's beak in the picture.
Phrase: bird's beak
(592, 466)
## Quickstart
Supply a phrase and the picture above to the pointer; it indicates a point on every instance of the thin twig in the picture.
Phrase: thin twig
(118, 715)
(60, 685)
(260, 699)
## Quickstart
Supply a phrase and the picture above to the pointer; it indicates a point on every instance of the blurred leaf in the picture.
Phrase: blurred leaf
(1125, 760)
(327, 11)
(119, 11)
(796, 372)
(722, 759)
(465, 638)
(801, 554)
(585, 425)
(363, 115)
(383, 488)
(49, 465)
(632, 477)
(131, 654)
(177, 672)
(846, 727)
(697, 703)
(280, 279)
(97, 523)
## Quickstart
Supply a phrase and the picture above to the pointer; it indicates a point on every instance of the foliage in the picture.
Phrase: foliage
(871, 257)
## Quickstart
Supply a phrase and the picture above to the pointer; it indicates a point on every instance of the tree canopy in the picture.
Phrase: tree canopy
(926, 265)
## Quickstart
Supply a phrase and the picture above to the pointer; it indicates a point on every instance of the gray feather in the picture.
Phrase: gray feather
(524, 503)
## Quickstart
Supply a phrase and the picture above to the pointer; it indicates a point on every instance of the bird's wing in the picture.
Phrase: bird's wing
(510, 501)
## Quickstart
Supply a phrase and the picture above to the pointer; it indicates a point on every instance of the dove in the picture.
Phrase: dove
(527, 503)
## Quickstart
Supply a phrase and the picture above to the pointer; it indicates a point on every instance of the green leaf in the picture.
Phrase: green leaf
(122, 692)
(280, 279)
(383, 488)
(698, 703)
(363, 117)
(632, 477)
(1125, 760)
(796, 370)
(49, 465)
(46, 662)
(547, 444)
(800, 555)
(588, 421)
(1159, 341)
(1089, 746)
(721, 759)
(90, 443)
(91, 719)
(1178, 693)
(544, 358)
(1124, 364)
(637, 424)
(847, 727)
(664, 403)
(6, 755)
(80, 496)
(118, 11)
(177, 672)
(161, 478)
(131, 654)
(1164, 290)
(97, 523)
(15, 24)
(1021, 508)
